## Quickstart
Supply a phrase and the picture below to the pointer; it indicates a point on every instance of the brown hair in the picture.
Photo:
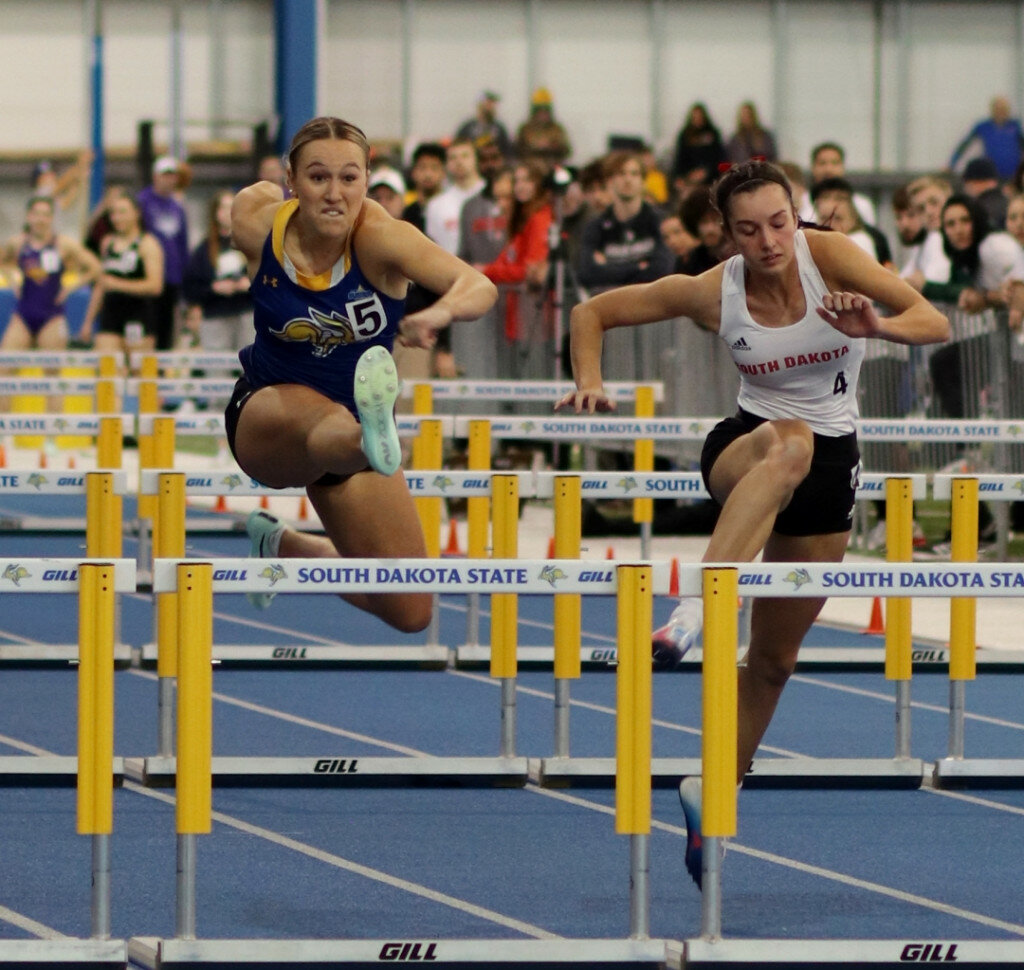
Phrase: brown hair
(747, 177)
(326, 128)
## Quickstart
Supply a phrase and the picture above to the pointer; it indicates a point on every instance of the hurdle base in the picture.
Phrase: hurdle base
(54, 654)
(978, 772)
(55, 954)
(316, 655)
(46, 771)
(878, 954)
(367, 954)
(765, 772)
(349, 772)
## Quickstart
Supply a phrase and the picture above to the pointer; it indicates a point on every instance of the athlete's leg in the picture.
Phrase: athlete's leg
(753, 479)
(17, 335)
(290, 435)
(373, 516)
(53, 335)
(777, 628)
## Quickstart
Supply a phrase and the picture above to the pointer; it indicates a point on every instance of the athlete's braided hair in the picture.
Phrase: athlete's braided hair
(326, 127)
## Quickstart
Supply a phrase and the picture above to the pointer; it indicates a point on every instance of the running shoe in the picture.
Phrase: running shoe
(265, 531)
(376, 390)
(690, 797)
(672, 642)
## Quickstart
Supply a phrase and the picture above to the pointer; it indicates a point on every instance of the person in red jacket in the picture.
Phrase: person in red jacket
(522, 265)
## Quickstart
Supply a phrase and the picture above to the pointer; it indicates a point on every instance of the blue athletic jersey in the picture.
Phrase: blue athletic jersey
(315, 336)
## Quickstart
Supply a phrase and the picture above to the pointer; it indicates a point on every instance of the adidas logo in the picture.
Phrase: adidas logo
(740, 344)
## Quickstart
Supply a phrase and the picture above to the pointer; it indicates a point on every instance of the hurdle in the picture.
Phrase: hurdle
(892, 579)
(102, 491)
(95, 768)
(343, 575)
(633, 586)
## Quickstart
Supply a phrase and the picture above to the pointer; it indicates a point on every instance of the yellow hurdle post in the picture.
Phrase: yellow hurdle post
(102, 517)
(568, 538)
(962, 610)
(149, 403)
(634, 609)
(95, 796)
(643, 461)
(195, 698)
(29, 404)
(505, 606)
(719, 700)
(899, 515)
(168, 543)
(478, 516)
(478, 507)
(76, 404)
(193, 781)
(427, 453)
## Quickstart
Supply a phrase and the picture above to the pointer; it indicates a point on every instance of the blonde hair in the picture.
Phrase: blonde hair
(326, 128)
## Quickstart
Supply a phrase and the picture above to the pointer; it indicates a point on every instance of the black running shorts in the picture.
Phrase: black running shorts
(823, 501)
(239, 397)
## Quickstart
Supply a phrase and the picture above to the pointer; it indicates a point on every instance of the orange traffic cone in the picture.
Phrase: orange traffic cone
(221, 505)
(265, 502)
(609, 553)
(42, 458)
(71, 463)
(673, 578)
(3, 457)
(551, 548)
(877, 622)
(303, 508)
(452, 549)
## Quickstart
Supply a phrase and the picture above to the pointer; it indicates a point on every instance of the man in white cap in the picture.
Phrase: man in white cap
(164, 216)
(388, 188)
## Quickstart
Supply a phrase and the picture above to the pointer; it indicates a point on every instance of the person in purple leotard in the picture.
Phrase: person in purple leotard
(41, 261)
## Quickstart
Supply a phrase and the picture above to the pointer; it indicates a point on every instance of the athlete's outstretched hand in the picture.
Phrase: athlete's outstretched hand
(420, 329)
(584, 399)
(849, 313)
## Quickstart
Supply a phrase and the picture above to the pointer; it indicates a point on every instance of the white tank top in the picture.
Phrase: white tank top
(804, 370)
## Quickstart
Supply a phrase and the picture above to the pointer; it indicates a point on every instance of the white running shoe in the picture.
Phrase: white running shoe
(690, 797)
(673, 641)
(376, 390)
(265, 531)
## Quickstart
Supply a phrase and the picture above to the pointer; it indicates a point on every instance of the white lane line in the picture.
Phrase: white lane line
(29, 925)
(302, 721)
(891, 699)
(377, 875)
(812, 870)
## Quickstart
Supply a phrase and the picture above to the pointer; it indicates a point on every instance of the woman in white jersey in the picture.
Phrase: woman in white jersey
(793, 306)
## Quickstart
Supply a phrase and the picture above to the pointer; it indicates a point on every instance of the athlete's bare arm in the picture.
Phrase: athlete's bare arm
(252, 218)
(855, 281)
(696, 297)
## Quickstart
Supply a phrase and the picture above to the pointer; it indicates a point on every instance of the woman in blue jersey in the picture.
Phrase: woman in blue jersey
(42, 260)
(329, 270)
(793, 305)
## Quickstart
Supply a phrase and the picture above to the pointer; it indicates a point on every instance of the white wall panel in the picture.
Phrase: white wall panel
(361, 65)
(718, 60)
(960, 56)
(43, 54)
(595, 57)
(460, 48)
(828, 79)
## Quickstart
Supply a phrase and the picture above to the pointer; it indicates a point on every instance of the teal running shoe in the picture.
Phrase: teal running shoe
(265, 531)
(376, 390)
